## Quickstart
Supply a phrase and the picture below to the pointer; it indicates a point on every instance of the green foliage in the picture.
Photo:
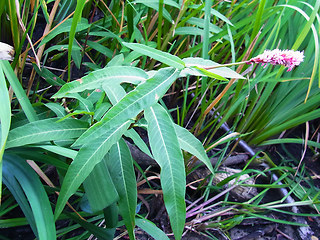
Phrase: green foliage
(133, 53)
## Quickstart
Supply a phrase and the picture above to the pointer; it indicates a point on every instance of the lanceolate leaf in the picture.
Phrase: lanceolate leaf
(28, 191)
(120, 166)
(45, 130)
(143, 96)
(191, 144)
(131, 133)
(163, 57)
(88, 156)
(151, 229)
(193, 62)
(57, 109)
(166, 151)
(108, 76)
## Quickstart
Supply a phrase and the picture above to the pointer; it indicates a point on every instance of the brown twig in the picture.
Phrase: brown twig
(41, 48)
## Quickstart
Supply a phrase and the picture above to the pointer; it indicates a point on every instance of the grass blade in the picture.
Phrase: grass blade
(25, 185)
(5, 119)
(76, 19)
(19, 92)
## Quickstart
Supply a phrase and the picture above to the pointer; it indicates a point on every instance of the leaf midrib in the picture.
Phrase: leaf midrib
(123, 179)
(42, 133)
(167, 154)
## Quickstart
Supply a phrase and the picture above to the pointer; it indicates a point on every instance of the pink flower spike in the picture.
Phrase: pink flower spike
(287, 58)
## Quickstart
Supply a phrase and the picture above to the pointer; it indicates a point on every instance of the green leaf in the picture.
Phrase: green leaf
(191, 144)
(155, 5)
(131, 133)
(193, 62)
(210, 74)
(108, 75)
(28, 191)
(213, 12)
(121, 169)
(45, 130)
(150, 228)
(5, 119)
(115, 92)
(57, 109)
(48, 76)
(166, 151)
(19, 92)
(85, 104)
(76, 55)
(195, 31)
(72, 32)
(66, 152)
(156, 54)
(65, 28)
(143, 96)
(201, 23)
(99, 187)
(90, 154)
(100, 48)
(63, 47)
(74, 113)
(290, 140)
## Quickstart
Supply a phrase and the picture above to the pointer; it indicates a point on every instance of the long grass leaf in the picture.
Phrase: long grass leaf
(205, 40)
(5, 119)
(290, 140)
(75, 21)
(26, 185)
